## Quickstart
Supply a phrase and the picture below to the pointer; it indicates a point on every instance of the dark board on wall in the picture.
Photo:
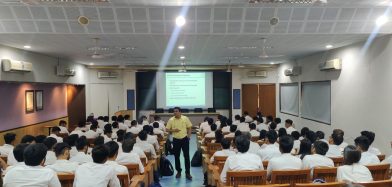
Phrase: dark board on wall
(222, 90)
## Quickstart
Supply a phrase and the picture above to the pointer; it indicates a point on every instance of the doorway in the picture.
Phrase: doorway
(259, 97)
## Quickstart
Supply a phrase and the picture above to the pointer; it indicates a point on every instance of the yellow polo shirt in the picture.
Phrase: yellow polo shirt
(183, 123)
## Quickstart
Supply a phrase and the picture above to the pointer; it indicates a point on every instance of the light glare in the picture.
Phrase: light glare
(180, 21)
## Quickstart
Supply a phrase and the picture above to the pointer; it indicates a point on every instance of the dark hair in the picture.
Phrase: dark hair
(177, 108)
(49, 142)
(62, 122)
(362, 142)
(213, 127)
(338, 131)
(270, 118)
(34, 154)
(99, 140)
(246, 113)
(156, 118)
(351, 155)
(337, 138)
(263, 134)
(295, 135)
(272, 126)
(128, 135)
(210, 121)
(115, 125)
(282, 132)
(305, 148)
(72, 139)
(260, 119)
(155, 125)
(120, 118)
(149, 130)
(100, 118)
(94, 126)
(60, 148)
(40, 138)
(218, 136)
(100, 153)
(229, 122)
(18, 151)
(370, 135)
(311, 136)
(107, 129)
(81, 124)
(242, 119)
(277, 120)
(225, 144)
(114, 118)
(120, 135)
(81, 143)
(56, 129)
(242, 143)
(271, 136)
(252, 126)
(286, 144)
(9, 137)
(320, 135)
(142, 135)
(126, 117)
(289, 121)
(237, 117)
(304, 131)
(133, 123)
(321, 147)
(233, 128)
(27, 139)
(127, 145)
(112, 147)
(237, 133)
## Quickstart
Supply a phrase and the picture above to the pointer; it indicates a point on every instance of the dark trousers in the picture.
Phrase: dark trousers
(183, 144)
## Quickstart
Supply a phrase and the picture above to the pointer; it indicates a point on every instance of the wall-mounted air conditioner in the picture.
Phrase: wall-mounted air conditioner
(65, 71)
(259, 74)
(330, 65)
(107, 74)
(15, 65)
(295, 71)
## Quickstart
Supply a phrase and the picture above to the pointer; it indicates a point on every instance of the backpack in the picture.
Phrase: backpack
(168, 147)
(166, 167)
(197, 159)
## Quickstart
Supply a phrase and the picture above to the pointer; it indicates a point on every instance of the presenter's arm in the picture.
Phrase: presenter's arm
(189, 128)
(169, 127)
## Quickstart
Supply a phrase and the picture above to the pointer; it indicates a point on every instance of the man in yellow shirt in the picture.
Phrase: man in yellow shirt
(181, 128)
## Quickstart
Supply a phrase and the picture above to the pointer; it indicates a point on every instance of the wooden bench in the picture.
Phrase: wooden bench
(384, 183)
(338, 161)
(235, 178)
(66, 179)
(379, 171)
(332, 184)
(290, 176)
(325, 173)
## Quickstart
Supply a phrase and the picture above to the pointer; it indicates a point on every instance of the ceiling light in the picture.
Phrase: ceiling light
(182, 57)
(180, 21)
(272, 62)
(241, 66)
(27, 47)
(181, 47)
(91, 64)
(381, 20)
(328, 46)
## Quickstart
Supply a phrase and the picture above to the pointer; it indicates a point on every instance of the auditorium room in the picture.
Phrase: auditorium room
(193, 93)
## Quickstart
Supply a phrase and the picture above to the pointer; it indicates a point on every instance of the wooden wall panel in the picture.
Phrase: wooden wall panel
(76, 104)
(267, 99)
(249, 98)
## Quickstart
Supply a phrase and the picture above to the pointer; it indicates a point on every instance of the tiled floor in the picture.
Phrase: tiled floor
(196, 172)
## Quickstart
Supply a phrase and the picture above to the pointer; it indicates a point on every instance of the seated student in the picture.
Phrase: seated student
(211, 134)
(253, 130)
(71, 139)
(112, 147)
(50, 158)
(272, 126)
(260, 125)
(80, 129)
(115, 128)
(32, 173)
(157, 130)
(320, 136)
(40, 138)
(121, 125)
(312, 136)
(247, 117)
(270, 150)
(207, 128)
(107, 136)
(82, 156)
(304, 131)
(100, 122)
(18, 154)
(233, 128)
(92, 133)
(341, 133)
(289, 126)
(9, 139)
(318, 158)
(237, 119)
(225, 127)
(282, 132)
(127, 121)
(225, 150)
(243, 160)
(286, 161)
(63, 127)
(262, 135)
(137, 150)
(96, 173)
(151, 138)
(134, 129)
(203, 125)
(120, 139)
(113, 118)
(352, 171)
(144, 145)
(297, 142)
(62, 164)
(334, 142)
(362, 144)
(28, 139)
(161, 123)
(55, 132)
(370, 135)
(269, 120)
(128, 156)
(253, 146)
(218, 137)
(305, 148)
(278, 123)
(243, 126)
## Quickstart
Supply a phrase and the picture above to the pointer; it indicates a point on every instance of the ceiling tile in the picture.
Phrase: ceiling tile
(341, 27)
(171, 13)
(191, 14)
(11, 26)
(346, 14)
(38, 13)
(156, 13)
(157, 27)
(44, 26)
(189, 28)
(311, 27)
(250, 27)
(125, 27)
(27, 26)
(123, 14)
(331, 14)
(376, 12)
(267, 13)
(203, 27)
(281, 27)
(139, 14)
(315, 13)
(56, 12)
(235, 14)
(61, 26)
(106, 13)
(94, 27)
(203, 14)
(234, 27)
(361, 14)
(109, 27)
(141, 27)
(219, 27)
(299, 13)
(72, 13)
(356, 27)
(264, 27)
(252, 13)
(325, 27)
(76, 27)
(284, 13)
(295, 27)
(220, 14)
(90, 12)
(5, 13)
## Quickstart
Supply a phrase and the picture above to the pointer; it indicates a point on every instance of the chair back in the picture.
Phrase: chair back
(208, 140)
(64, 135)
(235, 178)
(159, 137)
(290, 176)
(230, 139)
(124, 180)
(133, 169)
(384, 183)
(255, 138)
(381, 157)
(267, 185)
(338, 161)
(379, 171)
(144, 161)
(90, 142)
(220, 162)
(332, 184)
(265, 164)
(148, 155)
(325, 173)
(5, 158)
(66, 179)
(213, 147)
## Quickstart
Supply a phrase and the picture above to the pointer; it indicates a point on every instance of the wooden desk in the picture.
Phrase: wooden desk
(195, 118)
(49, 127)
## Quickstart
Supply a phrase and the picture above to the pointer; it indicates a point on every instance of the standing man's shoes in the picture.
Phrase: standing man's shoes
(178, 175)
(189, 176)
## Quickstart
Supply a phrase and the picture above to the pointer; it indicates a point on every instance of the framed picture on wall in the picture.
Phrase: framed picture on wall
(29, 101)
(39, 100)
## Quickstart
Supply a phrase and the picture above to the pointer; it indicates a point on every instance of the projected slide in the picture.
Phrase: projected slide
(184, 89)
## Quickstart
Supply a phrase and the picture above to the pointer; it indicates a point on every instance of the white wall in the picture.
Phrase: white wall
(360, 93)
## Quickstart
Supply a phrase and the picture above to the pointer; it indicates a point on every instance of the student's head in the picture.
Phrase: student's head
(286, 144)
(40, 138)
(246, 113)
(99, 141)
(114, 118)
(62, 123)
(128, 135)
(72, 139)
(337, 139)
(177, 112)
(106, 118)
(304, 131)
(225, 144)
(100, 154)
(49, 142)
(295, 135)
(149, 130)
(370, 135)
(18, 151)
(237, 117)
(288, 123)
(229, 122)
(271, 136)
(28, 139)
(56, 130)
(127, 117)
(127, 145)
(351, 155)
(237, 133)
(34, 154)
(311, 135)
(133, 123)
(320, 135)
(115, 125)
(157, 118)
(155, 125)
(277, 120)
(282, 132)
(108, 130)
(233, 128)
(62, 150)
(210, 121)
(9, 138)
(263, 134)
(94, 127)
(320, 147)
(362, 143)
(223, 123)
(218, 136)
(242, 119)
(272, 126)
(81, 144)
(252, 126)
(112, 147)
(120, 135)
(260, 119)
(242, 143)
(142, 135)
(81, 124)
(338, 131)
(120, 119)
(269, 119)
(213, 127)
(305, 147)
(100, 118)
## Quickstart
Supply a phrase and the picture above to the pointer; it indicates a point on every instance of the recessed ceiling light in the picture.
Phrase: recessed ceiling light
(328, 46)
(182, 57)
(381, 20)
(241, 66)
(27, 47)
(91, 64)
(272, 62)
(181, 47)
(180, 21)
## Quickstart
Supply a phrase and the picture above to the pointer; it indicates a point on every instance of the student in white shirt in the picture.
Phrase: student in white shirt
(243, 126)
(115, 128)
(237, 119)
(97, 173)
(92, 133)
(352, 171)
(253, 130)
(270, 150)
(269, 120)
(32, 173)
(134, 129)
(282, 132)
(127, 121)
(18, 154)
(205, 127)
(51, 158)
(318, 158)
(128, 156)
(286, 161)
(248, 119)
(161, 123)
(233, 128)
(304, 131)
(334, 141)
(151, 138)
(211, 134)
(225, 150)
(297, 142)
(9, 139)
(243, 160)
(63, 127)
(362, 144)
(289, 126)
(82, 156)
(28, 139)
(225, 126)
(100, 122)
(320, 136)
(81, 127)
(253, 146)
(55, 133)
(62, 164)
(71, 142)
(370, 135)
(107, 136)
(144, 145)
(121, 125)
(340, 132)
(278, 123)
(305, 148)
(113, 147)
(260, 125)
(157, 130)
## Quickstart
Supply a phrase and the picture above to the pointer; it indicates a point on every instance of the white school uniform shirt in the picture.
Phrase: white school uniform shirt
(134, 130)
(6, 149)
(254, 133)
(145, 122)
(58, 138)
(122, 126)
(210, 135)
(205, 127)
(371, 149)
(284, 162)
(240, 162)
(316, 160)
(280, 125)
(262, 126)
(254, 147)
(334, 151)
(64, 166)
(236, 122)
(296, 145)
(225, 129)
(248, 119)
(342, 146)
(354, 173)
(224, 152)
(243, 127)
(10, 167)
(93, 174)
(90, 134)
(78, 132)
(63, 129)
(106, 139)
(37, 176)
(158, 131)
(127, 123)
(73, 151)
(81, 158)
(146, 147)
(50, 158)
(139, 152)
(290, 130)
(368, 159)
(388, 160)
(11, 159)
(130, 158)
(119, 169)
(230, 135)
(268, 152)
(101, 124)
(153, 140)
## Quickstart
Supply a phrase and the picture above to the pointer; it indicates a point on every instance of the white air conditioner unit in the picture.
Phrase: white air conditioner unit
(15, 65)
(107, 74)
(335, 64)
(65, 71)
(295, 71)
(257, 74)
